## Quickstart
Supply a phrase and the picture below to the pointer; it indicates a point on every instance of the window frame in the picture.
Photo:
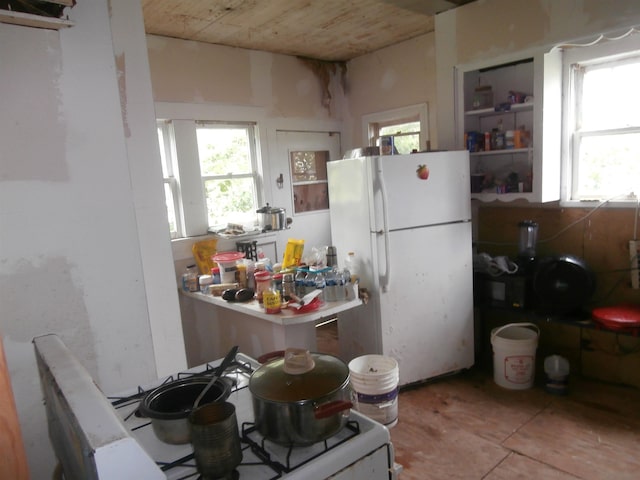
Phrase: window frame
(576, 57)
(371, 123)
(250, 128)
(183, 117)
(169, 160)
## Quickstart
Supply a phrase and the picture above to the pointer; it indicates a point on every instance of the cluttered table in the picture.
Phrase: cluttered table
(257, 332)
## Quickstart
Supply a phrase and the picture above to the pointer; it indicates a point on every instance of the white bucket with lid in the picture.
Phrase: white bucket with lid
(374, 379)
(227, 262)
(514, 355)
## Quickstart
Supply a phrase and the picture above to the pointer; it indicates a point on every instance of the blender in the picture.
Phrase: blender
(528, 237)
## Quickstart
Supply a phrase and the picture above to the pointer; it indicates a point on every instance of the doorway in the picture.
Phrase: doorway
(300, 168)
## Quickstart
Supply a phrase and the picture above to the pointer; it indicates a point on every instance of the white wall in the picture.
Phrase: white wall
(75, 216)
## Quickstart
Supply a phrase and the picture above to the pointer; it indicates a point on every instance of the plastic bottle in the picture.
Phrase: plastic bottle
(309, 283)
(190, 279)
(263, 283)
(215, 274)
(320, 284)
(352, 264)
(300, 286)
(332, 284)
(342, 279)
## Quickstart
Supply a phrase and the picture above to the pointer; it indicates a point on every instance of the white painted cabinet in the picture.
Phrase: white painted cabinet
(509, 118)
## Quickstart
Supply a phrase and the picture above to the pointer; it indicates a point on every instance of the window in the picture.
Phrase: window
(398, 131)
(211, 175)
(227, 166)
(309, 178)
(171, 192)
(601, 144)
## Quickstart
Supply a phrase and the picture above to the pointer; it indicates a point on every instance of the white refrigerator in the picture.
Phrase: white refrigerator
(410, 229)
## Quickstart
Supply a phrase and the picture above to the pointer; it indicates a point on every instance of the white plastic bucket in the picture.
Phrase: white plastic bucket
(514, 355)
(374, 380)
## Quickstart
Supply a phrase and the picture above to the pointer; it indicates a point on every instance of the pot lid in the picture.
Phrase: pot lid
(225, 257)
(298, 376)
(268, 209)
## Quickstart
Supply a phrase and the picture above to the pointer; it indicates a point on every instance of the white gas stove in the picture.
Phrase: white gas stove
(99, 437)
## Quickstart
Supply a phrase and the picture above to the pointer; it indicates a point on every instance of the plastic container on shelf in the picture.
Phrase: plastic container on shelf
(352, 263)
(215, 275)
(263, 283)
(190, 279)
(205, 281)
(227, 262)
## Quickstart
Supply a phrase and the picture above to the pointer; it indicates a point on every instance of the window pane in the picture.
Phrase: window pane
(163, 154)
(411, 127)
(171, 211)
(230, 200)
(608, 166)
(223, 150)
(609, 98)
(406, 143)
(309, 166)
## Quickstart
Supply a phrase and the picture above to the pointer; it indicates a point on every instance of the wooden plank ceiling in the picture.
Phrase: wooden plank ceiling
(329, 30)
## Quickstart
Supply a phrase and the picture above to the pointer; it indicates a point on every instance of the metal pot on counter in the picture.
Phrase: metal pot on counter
(272, 218)
(300, 398)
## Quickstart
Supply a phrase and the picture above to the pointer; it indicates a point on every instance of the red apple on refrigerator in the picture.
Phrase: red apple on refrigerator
(423, 172)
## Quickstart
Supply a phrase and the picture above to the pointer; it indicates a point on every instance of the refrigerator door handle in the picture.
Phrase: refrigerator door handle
(385, 280)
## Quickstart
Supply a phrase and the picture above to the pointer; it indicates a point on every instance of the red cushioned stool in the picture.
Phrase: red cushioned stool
(620, 318)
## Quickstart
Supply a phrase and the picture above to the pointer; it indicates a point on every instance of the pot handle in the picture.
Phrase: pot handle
(270, 356)
(329, 409)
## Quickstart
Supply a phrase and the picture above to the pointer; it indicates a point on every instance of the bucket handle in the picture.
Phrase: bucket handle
(523, 324)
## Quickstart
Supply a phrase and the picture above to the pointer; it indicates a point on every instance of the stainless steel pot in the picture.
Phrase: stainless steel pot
(301, 398)
(272, 218)
(169, 406)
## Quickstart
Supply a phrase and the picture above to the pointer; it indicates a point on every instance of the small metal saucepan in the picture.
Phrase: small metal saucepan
(272, 218)
(169, 406)
(300, 398)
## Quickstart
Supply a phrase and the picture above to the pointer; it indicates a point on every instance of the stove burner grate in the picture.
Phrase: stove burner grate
(260, 450)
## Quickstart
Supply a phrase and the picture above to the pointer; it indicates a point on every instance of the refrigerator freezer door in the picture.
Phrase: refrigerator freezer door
(412, 201)
(427, 313)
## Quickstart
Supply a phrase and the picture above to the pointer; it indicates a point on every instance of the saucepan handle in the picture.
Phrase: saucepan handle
(329, 409)
(270, 356)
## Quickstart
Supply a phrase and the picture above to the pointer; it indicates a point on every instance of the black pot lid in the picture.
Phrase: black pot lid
(563, 283)
(281, 380)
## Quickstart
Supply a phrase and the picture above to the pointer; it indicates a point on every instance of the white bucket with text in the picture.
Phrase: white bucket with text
(374, 380)
(514, 354)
